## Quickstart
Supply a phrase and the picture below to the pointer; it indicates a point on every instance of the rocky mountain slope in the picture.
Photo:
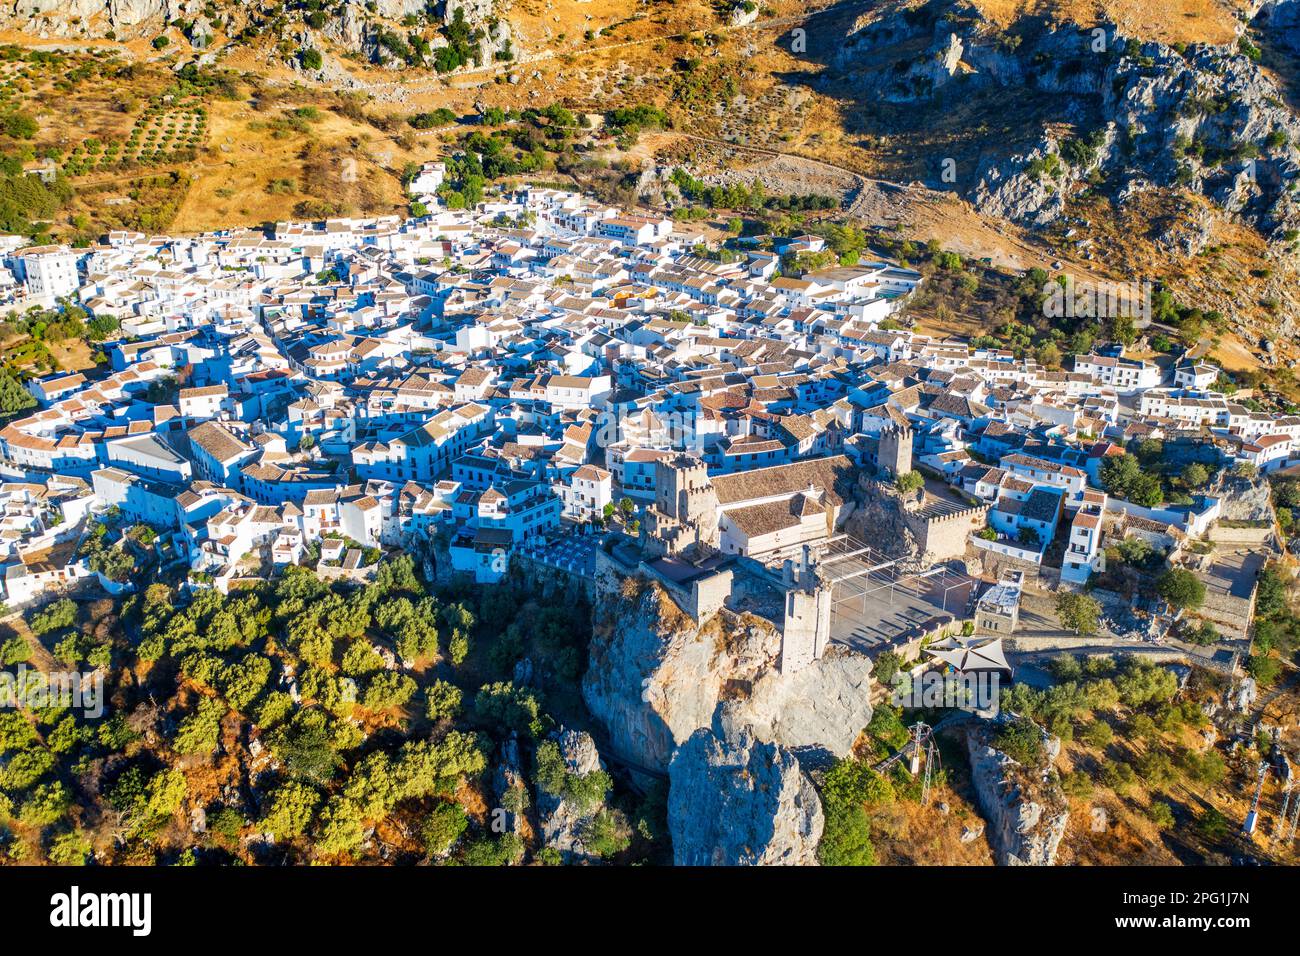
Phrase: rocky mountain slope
(389, 33)
(1113, 112)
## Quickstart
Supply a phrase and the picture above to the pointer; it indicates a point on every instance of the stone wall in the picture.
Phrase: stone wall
(1230, 534)
(944, 537)
(701, 598)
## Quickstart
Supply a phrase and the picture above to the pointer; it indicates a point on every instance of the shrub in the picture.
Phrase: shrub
(1160, 814)
(1022, 741)
(909, 482)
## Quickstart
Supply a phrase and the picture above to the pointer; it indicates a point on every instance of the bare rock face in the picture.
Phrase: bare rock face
(397, 9)
(1244, 499)
(563, 821)
(508, 780)
(474, 12)
(348, 28)
(70, 18)
(1026, 812)
(1010, 189)
(655, 677)
(739, 802)
(824, 706)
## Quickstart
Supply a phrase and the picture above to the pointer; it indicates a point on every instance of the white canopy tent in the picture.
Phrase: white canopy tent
(971, 653)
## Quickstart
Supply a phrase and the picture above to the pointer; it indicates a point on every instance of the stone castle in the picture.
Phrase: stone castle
(684, 516)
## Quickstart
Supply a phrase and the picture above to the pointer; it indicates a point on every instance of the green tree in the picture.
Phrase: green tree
(1097, 735)
(14, 399)
(53, 617)
(200, 732)
(70, 848)
(341, 827)
(584, 791)
(1022, 741)
(910, 482)
(1080, 613)
(1181, 588)
(510, 707)
(293, 805)
(1212, 824)
(608, 833)
(388, 689)
(886, 667)
(442, 701)
(1160, 814)
(1264, 669)
(846, 789)
(20, 125)
(443, 826)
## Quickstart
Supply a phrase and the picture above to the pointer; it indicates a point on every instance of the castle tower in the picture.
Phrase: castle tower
(685, 510)
(807, 627)
(683, 491)
(895, 453)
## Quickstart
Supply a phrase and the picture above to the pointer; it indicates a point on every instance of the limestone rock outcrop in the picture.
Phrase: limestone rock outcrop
(71, 18)
(1243, 499)
(1206, 118)
(655, 677)
(356, 25)
(823, 706)
(1026, 811)
(509, 786)
(564, 819)
(735, 801)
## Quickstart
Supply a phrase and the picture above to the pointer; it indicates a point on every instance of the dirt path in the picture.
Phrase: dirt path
(928, 213)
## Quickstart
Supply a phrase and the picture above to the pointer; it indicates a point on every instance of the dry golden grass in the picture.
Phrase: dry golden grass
(905, 833)
(1170, 21)
(1129, 837)
(358, 166)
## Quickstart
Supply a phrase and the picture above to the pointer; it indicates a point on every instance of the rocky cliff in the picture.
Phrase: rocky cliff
(655, 677)
(73, 18)
(1104, 110)
(564, 819)
(366, 27)
(1243, 499)
(1025, 808)
(734, 801)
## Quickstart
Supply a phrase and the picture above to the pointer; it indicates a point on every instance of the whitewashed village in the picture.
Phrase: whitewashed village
(591, 399)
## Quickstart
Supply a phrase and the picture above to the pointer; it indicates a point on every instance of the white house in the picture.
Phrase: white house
(49, 271)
